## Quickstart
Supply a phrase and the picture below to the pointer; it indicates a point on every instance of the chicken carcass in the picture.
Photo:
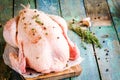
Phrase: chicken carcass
(42, 42)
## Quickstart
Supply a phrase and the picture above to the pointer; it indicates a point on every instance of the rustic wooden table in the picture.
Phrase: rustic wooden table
(98, 64)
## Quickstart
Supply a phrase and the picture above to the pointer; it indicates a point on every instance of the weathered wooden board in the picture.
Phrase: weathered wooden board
(109, 56)
(98, 11)
(114, 6)
(5, 8)
(74, 10)
(73, 71)
(48, 6)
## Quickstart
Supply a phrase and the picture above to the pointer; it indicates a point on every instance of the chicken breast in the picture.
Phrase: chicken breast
(42, 42)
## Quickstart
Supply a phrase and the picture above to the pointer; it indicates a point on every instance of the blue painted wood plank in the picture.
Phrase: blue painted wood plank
(48, 6)
(114, 6)
(75, 9)
(72, 9)
(109, 56)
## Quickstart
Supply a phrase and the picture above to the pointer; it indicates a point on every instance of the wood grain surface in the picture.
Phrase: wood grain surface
(109, 56)
(73, 71)
(98, 11)
(115, 13)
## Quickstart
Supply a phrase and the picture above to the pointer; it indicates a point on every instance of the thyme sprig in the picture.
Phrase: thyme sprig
(86, 36)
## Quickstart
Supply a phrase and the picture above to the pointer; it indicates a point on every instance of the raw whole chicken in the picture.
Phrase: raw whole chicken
(41, 40)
